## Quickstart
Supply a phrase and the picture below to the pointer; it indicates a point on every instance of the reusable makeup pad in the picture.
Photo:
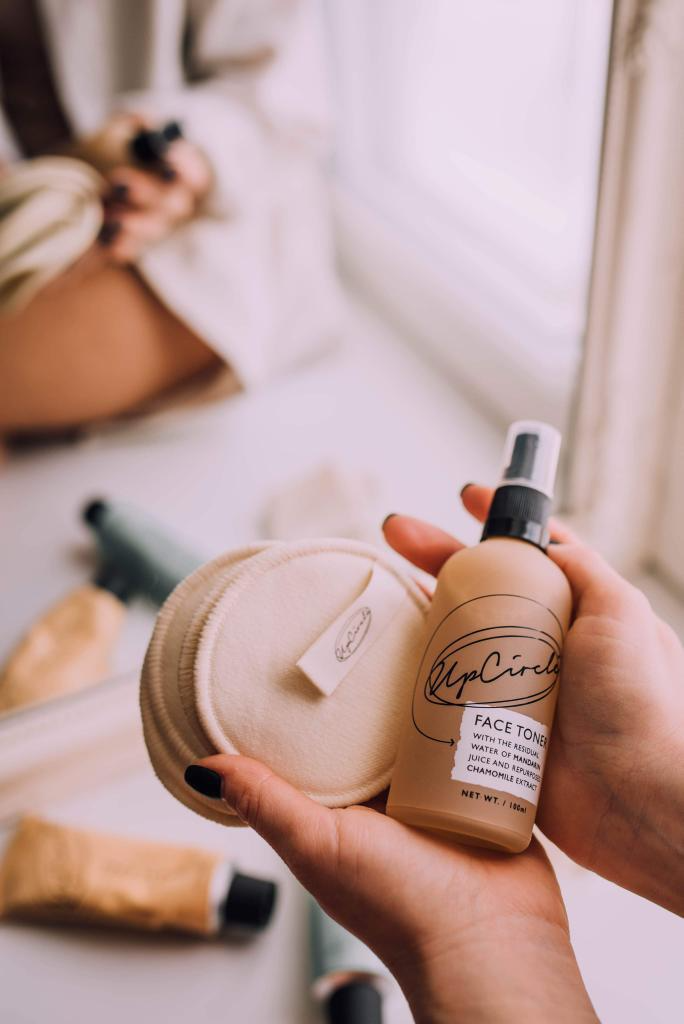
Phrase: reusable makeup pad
(300, 654)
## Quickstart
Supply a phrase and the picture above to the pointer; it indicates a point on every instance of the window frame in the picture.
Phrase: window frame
(619, 484)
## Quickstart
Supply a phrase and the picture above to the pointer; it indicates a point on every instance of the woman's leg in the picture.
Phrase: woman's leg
(92, 345)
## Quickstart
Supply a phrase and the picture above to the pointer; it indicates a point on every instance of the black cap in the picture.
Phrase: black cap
(249, 903)
(523, 457)
(359, 1002)
(149, 145)
(94, 510)
(520, 512)
(171, 131)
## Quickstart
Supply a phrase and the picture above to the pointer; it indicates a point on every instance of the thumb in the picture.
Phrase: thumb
(301, 831)
(597, 588)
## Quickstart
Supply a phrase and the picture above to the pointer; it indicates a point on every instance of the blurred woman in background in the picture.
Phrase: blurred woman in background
(211, 270)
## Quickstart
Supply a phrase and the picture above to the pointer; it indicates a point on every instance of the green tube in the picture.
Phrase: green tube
(133, 545)
(347, 977)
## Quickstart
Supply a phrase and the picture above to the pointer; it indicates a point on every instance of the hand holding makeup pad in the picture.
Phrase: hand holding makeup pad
(299, 654)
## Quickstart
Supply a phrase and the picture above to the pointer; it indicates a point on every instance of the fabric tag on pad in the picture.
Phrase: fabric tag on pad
(341, 646)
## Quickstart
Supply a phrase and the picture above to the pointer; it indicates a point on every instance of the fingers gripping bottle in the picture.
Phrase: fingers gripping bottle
(472, 754)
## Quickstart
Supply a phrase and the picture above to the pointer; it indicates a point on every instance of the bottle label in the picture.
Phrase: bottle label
(501, 749)
(495, 651)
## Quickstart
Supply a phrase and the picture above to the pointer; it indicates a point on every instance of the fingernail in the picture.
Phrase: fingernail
(119, 193)
(387, 519)
(108, 232)
(465, 488)
(204, 780)
(167, 173)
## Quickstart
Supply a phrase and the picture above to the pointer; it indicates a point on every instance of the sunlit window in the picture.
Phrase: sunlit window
(476, 129)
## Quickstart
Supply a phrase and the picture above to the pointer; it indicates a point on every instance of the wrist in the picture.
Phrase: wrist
(514, 968)
(647, 844)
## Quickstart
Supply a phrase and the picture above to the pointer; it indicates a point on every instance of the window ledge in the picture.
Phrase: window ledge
(487, 345)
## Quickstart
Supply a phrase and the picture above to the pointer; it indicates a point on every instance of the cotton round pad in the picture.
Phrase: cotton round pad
(300, 654)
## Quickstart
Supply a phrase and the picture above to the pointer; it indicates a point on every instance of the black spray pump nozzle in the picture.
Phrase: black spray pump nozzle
(522, 501)
(139, 555)
(523, 456)
(149, 145)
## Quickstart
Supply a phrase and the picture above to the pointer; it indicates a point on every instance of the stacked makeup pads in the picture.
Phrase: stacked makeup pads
(300, 654)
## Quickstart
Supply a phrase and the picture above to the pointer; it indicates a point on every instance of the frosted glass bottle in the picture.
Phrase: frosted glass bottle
(472, 755)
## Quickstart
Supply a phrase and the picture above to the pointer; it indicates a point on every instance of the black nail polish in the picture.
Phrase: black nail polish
(387, 519)
(204, 780)
(108, 232)
(119, 193)
(465, 488)
(554, 541)
(167, 173)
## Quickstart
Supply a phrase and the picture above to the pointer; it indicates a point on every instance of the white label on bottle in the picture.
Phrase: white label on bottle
(501, 749)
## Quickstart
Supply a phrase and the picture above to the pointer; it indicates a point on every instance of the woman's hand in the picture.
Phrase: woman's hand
(143, 204)
(613, 792)
(453, 924)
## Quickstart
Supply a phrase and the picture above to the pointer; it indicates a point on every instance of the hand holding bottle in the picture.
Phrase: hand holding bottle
(437, 912)
(147, 198)
(452, 923)
(470, 760)
(613, 794)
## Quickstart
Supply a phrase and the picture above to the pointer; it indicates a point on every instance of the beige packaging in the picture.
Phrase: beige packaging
(54, 873)
(472, 755)
(67, 649)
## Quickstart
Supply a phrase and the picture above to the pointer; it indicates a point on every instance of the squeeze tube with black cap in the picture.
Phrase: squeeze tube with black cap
(471, 758)
(54, 873)
(70, 645)
(136, 549)
(240, 903)
(348, 979)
